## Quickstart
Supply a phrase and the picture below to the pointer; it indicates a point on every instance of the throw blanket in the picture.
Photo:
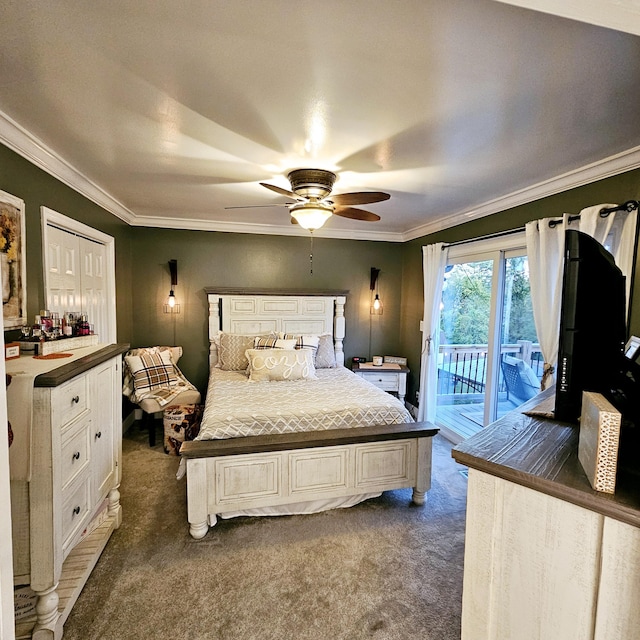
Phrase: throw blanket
(163, 394)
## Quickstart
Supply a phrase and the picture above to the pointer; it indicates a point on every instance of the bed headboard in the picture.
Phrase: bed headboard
(257, 311)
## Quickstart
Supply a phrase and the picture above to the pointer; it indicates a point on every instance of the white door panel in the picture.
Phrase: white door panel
(80, 272)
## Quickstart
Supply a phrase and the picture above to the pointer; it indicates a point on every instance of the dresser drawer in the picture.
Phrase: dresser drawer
(384, 379)
(70, 400)
(75, 452)
(75, 508)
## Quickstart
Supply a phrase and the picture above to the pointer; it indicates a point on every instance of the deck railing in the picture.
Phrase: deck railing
(462, 368)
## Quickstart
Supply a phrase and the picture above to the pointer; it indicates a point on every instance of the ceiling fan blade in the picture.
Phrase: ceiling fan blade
(281, 191)
(356, 214)
(362, 197)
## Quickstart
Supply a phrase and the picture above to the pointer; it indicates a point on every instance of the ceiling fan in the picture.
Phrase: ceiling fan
(314, 204)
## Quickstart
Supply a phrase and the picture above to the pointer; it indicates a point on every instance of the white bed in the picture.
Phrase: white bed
(327, 439)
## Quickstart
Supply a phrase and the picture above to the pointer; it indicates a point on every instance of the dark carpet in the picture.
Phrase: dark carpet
(384, 569)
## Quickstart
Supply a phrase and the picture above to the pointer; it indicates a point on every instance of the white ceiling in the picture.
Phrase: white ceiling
(166, 112)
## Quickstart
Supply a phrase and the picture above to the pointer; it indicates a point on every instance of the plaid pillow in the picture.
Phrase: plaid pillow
(152, 370)
(304, 342)
(273, 342)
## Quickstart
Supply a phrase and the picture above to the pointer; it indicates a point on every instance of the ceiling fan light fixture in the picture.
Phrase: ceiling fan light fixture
(311, 215)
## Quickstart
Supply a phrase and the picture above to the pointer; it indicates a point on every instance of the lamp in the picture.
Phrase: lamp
(171, 306)
(376, 303)
(311, 215)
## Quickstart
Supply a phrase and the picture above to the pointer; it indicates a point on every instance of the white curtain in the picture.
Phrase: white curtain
(434, 260)
(545, 250)
(617, 232)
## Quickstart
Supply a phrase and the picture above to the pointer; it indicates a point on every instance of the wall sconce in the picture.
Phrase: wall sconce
(171, 306)
(376, 303)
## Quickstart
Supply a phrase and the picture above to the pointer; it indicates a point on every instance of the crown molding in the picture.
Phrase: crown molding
(193, 224)
(18, 139)
(29, 147)
(620, 15)
(606, 168)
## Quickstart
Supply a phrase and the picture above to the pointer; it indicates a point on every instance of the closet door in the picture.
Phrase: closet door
(80, 271)
(63, 272)
(93, 283)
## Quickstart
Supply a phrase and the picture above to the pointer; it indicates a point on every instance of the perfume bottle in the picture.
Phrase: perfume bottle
(84, 328)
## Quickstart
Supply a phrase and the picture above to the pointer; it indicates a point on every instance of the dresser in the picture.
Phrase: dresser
(64, 492)
(391, 380)
(546, 556)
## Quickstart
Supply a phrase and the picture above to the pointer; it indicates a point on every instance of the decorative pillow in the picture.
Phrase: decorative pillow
(273, 342)
(280, 365)
(231, 353)
(304, 342)
(326, 355)
(152, 370)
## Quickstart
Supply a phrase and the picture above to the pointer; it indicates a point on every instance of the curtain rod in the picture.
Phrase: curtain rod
(628, 206)
(498, 234)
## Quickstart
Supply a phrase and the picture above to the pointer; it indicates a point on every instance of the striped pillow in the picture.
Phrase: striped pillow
(273, 342)
(152, 370)
(304, 342)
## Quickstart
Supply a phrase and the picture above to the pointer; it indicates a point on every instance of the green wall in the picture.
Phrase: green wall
(616, 189)
(37, 188)
(242, 260)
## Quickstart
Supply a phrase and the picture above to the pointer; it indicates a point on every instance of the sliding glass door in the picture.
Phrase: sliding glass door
(488, 362)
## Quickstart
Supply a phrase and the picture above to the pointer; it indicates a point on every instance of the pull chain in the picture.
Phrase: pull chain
(311, 256)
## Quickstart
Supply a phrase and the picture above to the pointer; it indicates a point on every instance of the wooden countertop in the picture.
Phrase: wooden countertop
(65, 372)
(542, 454)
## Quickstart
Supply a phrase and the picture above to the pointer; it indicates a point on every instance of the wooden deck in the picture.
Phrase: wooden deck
(461, 421)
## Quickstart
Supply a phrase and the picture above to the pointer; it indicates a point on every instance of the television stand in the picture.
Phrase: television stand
(545, 555)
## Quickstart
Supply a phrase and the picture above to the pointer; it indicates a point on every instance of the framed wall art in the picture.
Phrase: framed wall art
(13, 266)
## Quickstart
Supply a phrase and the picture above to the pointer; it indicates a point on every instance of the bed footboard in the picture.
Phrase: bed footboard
(226, 476)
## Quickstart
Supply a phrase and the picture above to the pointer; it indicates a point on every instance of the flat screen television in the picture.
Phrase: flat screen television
(592, 325)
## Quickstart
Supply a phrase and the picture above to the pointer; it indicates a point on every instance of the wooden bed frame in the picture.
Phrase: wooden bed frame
(227, 476)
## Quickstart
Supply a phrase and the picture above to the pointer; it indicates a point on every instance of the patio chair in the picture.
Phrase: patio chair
(520, 379)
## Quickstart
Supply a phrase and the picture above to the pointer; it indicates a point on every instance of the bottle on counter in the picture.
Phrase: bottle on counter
(83, 326)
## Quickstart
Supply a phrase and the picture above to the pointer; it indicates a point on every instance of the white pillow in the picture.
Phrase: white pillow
(280, 365)
(326, 355)
(303, 342)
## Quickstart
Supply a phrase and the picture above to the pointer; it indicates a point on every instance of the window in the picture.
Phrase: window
(489, 358)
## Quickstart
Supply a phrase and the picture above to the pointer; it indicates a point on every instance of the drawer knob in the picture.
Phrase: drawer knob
(75, 399)
(76, 511)
(76, 455)
(99, 435)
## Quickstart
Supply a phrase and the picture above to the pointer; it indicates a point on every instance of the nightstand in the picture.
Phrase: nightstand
(391, 380)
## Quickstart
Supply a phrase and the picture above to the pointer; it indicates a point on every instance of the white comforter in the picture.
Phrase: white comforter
(236, 407)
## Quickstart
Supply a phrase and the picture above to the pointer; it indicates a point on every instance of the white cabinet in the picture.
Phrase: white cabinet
(71, 503)
(393, 381)
(546, 556)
